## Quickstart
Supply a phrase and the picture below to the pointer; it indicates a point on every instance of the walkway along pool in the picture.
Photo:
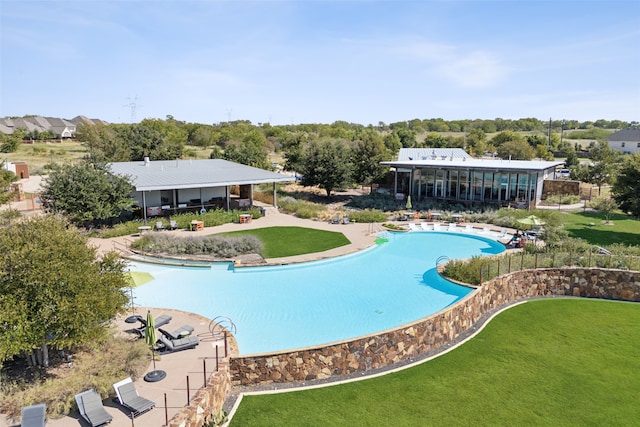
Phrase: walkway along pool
(286, 307)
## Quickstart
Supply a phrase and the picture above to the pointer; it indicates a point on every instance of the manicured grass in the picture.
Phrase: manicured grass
(290, 241)
(625, 230)
(547, 362)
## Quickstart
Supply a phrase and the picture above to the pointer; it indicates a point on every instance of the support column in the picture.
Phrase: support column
(275, 203)
(144, 207)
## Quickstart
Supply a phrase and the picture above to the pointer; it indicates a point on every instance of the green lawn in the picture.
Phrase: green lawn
(289, 241)
(624, 230)
(547, 362)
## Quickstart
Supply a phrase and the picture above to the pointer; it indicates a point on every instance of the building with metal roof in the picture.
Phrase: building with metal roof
(468, 180)
(168, 186)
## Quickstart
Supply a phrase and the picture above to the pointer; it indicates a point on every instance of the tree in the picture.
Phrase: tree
(367, 155)
(516, 150)
(605, 205)
(6, 178)
(54, 291)
(9, 143)
(604, 165)
(326, 164)
(626, 188)
(88, 194)
(251, 152)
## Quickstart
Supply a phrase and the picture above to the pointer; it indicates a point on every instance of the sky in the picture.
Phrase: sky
(293, 62)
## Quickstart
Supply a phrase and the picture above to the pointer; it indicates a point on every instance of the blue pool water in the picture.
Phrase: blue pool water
(288, 307)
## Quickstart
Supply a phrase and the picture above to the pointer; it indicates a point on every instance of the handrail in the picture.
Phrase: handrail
(221, 324)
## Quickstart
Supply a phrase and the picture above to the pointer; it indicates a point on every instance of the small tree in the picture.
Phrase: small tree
(87, 194)
(54, 291)
(604, 205)
(6, 178)
(626, 188)
(326, 164)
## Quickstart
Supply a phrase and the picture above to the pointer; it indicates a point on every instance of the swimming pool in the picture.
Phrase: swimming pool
(287, 307)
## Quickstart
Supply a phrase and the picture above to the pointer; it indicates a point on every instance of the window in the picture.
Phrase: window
(622, 144)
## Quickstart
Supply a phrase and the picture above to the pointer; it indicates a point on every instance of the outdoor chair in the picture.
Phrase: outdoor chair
(173, 225)
(34, 416)
(128, 397)
(91, 408)
(181, 332)
(159, 226)
(170, 345)
(336, 219)
(161, 320)
(346, 220)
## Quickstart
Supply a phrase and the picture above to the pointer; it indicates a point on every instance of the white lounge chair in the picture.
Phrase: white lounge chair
(426, 227)
(468, 228)
(129, 398)
(414, 227)
(436, 226)
(453, 227)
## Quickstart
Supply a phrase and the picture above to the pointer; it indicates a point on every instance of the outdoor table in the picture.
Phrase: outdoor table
(144, 228)
(197, 225)
(436, 214)
(457, 217)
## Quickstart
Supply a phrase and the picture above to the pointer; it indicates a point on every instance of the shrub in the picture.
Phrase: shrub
(97, 365)
(368, 215)
(301, 208)
(215, 246)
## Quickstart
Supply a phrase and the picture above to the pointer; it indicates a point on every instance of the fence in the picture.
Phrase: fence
(523, 261)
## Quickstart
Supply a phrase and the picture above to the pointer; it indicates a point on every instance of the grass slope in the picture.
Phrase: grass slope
(544, 363)
(289, 241)
(625, 230)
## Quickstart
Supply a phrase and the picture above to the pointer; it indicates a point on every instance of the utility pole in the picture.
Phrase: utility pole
(133, 106)
(549, 134)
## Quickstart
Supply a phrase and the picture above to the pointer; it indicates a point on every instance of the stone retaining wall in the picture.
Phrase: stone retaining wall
(409, 341)
(208, 400)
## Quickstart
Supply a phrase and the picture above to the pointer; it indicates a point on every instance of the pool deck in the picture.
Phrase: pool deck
(189, 363)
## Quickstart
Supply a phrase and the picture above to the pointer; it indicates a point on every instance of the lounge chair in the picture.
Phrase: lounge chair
(180, 344)
(173, 225)
(181, 332)
(159, 321)
(426, 227)
(468, 228)
(91, 408)
(159, 226)
(436, 226)
(453, 227)
(34, 415)
(129, 398)
(414, 227)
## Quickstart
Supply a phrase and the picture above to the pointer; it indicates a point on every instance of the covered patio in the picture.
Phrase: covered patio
(166, 187)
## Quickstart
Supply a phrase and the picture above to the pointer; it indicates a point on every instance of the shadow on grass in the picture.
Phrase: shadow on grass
(589, 227)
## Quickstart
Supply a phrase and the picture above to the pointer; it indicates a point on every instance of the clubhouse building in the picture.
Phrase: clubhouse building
(452, 175)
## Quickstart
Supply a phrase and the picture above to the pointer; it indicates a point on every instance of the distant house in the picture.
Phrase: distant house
(626, 140)
(163, 187)
(59, 128)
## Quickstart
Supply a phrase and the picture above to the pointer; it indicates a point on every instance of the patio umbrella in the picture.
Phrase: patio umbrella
(150, 339)
(408, 205)
(531, 220)
(137, 278)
